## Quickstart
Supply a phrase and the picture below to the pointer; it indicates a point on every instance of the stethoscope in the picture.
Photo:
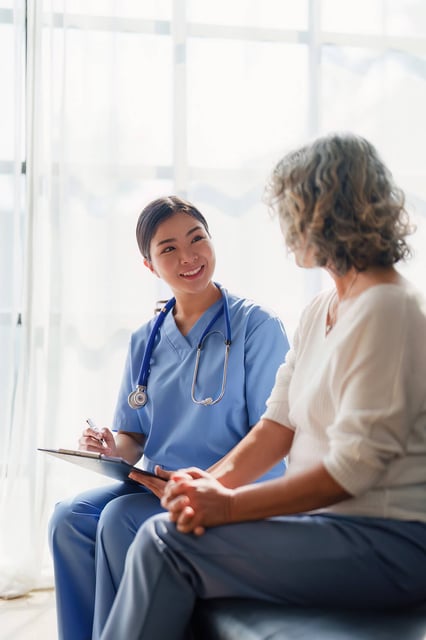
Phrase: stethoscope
(138, 398)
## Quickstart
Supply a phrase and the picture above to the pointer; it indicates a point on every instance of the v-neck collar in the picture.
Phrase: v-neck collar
(191, 340)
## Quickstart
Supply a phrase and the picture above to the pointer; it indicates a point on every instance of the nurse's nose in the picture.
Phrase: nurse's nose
(188, 256)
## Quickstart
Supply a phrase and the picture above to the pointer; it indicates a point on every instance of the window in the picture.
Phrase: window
(106, 105)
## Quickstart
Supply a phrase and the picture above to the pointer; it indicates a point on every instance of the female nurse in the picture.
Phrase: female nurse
(209, 368)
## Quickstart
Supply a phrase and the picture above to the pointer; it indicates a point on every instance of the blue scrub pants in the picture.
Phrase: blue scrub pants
(89, 536)
(308, 560)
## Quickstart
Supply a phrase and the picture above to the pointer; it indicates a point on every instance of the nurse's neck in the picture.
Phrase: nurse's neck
(190, 307)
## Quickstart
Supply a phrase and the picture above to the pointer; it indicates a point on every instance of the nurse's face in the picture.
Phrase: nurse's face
(182, 254)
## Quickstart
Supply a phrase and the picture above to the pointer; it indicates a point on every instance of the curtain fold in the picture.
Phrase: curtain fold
(23, 483)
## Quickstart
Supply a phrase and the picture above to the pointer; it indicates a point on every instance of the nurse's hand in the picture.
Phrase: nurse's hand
(156, 485)
(98, 440)
(195, 500)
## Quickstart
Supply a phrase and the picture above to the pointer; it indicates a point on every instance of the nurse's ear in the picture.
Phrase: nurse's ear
(150, 266)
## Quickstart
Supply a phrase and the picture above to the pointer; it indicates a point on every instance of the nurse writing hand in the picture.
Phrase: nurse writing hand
(104, 441)
(196, 379)
(95, 439)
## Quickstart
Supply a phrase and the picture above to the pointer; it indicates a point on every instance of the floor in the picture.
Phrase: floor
(31, 616)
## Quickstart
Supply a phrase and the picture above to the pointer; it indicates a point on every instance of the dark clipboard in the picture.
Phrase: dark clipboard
(117, 468)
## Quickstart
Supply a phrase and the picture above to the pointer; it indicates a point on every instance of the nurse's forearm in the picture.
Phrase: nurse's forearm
(129, 446)
(263, 447)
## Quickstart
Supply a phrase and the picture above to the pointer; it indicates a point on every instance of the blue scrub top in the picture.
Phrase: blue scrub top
(178, 432)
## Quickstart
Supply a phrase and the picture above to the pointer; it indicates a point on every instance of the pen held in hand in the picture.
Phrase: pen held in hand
(97, 430)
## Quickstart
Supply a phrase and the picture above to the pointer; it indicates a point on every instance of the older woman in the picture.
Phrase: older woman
(346, 526)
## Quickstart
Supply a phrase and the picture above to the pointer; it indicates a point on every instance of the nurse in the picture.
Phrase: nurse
(195, 382)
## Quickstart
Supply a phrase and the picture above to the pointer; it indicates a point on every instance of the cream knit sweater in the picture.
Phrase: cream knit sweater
(356, 400)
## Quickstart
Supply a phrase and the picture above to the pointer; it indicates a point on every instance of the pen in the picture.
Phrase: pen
(95, 428)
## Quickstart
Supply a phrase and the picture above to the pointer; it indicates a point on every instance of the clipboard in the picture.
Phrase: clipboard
(111, 466)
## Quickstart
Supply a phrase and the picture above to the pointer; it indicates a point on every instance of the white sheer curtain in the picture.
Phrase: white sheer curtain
(129, 100)
(13, 484)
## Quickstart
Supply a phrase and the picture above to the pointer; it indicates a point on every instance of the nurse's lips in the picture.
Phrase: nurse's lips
(193, 273)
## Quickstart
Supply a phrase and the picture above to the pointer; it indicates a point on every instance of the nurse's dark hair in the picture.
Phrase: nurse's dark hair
(338, 196)
(157, 212)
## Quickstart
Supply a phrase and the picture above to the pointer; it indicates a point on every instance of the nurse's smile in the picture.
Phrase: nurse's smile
(192, 274)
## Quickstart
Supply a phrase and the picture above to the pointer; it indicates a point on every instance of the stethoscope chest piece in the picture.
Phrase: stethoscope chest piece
(138, 397)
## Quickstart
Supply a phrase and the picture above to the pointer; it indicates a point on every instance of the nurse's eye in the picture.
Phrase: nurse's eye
(168, 249)
(197, 238)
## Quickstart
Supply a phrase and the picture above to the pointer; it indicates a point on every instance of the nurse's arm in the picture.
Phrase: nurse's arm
(129, 446)
(265, 445)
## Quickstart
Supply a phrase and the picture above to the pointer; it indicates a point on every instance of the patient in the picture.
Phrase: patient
(346, 525)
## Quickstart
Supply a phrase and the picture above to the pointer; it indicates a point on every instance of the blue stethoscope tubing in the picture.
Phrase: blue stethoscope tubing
(138, 398)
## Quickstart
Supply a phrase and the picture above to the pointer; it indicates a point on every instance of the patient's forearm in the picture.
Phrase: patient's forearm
(294, 493)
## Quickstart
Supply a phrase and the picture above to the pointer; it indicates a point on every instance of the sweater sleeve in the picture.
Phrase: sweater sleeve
(371, 379)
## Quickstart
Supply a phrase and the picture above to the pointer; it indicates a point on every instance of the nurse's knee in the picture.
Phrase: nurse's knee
(59, 521)
(68, 522)
(121, 518)
(112, 522)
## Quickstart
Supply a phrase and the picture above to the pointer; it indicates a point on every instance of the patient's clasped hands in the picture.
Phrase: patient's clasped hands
(196, 500)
